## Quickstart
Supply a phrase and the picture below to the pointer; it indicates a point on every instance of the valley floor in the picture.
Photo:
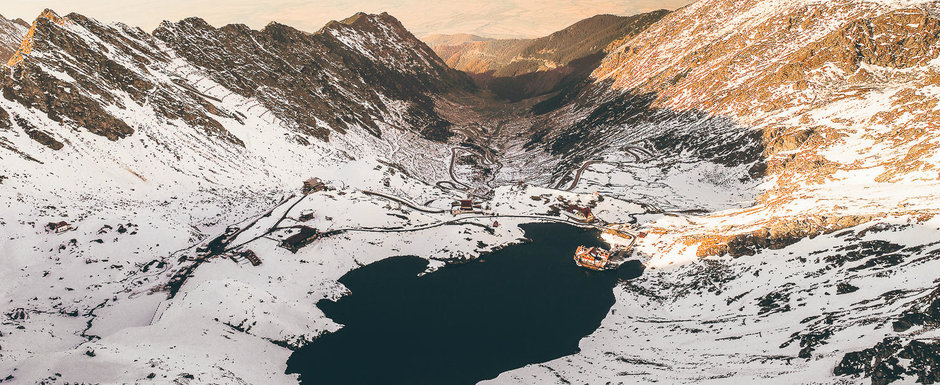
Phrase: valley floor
(91, 304)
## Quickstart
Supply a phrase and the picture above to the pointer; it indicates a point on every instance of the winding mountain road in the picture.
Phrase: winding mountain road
(638, 154)
(404, 202)
(577, 176)
(453, 164)
(462, 219)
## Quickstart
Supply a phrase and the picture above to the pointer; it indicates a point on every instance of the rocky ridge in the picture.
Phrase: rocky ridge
(353, 81)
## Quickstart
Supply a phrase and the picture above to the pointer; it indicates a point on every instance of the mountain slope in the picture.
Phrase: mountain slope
(840, 91)
(817, 96)
(146, 150)
(11, 34)
(455, 40)
(363, 55)
(119, 82)
(817, 275)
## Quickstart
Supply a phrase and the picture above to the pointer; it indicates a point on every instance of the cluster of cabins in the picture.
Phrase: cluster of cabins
(594, 258)
(306, 234)
(621, 240)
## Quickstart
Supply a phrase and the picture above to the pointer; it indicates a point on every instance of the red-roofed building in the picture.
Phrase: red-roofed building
(580, 214)
(465, 206)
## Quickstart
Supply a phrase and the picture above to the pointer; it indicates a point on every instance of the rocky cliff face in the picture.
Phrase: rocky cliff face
(325, 81)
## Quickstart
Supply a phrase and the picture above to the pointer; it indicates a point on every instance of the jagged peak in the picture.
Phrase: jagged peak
(26, 47)
(282, 32)
(193, 21)
(361, 19)
(198, 23)
(48, 12)
(354, 18)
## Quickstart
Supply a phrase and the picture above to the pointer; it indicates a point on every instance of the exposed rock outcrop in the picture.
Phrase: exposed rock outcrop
(341, 76)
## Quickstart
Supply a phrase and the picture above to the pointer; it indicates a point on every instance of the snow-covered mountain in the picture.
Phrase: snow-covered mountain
(146, 145)
(826, 275)
(779, 156)
(839, 92)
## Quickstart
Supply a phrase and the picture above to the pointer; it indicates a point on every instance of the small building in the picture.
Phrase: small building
(58, 227)
(251, 257)
(306, 215)
(593, 258)
(300, 239)
(465, 206)
(313, 185)
(580, 214)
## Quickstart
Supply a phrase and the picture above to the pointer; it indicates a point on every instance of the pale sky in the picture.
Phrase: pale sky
(493, 18)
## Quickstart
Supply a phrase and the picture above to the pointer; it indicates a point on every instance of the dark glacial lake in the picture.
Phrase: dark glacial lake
(524, 304)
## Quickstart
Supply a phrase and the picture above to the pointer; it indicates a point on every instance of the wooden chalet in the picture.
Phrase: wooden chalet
(302, 238)
(313, 185)
(465, 206)
(251, 257)
(58, 227)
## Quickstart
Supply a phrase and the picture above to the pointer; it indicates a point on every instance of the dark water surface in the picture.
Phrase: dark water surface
(524, 304)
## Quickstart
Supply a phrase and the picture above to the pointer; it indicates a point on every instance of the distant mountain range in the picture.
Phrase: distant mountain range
(520, 68)
(11, 34)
